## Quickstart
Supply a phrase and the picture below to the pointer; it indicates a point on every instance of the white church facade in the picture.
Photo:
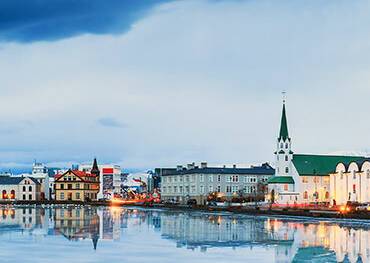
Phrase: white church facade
(304, 179)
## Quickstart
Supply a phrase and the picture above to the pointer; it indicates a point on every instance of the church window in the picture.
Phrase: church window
(341, 174)
(286, 170)
(305, 195)
(286, 158)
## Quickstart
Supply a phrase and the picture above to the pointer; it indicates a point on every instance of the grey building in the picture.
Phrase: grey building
(197, 182)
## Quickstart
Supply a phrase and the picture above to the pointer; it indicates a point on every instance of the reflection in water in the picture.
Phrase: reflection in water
(291, 241)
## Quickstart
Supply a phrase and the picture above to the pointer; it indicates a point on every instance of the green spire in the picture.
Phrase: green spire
(283, 126)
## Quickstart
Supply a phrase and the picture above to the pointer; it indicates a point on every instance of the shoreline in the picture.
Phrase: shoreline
(306, 213)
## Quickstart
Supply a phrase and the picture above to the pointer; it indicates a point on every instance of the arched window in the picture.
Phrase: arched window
(286, 146)
(12, 194)
(286, 170)
(305, 195)
(5, 196)
(281, 145)
(30, 188)
(354, 174)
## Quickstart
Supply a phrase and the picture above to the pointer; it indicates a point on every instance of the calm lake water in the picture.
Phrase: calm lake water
(91, 234)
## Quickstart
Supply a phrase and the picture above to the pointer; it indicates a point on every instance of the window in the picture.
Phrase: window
(29, 197)
(30, 188)
(326, 195)
(201, 178)
(228, 179)
(228, 189)
(12, 194)
(24, 189)
(193, 178)
(286, 158)
(235, 178)
(219, 178)
(245, 179)
(180, 178)
(286, 146)
(304, 179)
(368, 174)
(286, 187)
(175, 189)
(354, 188)
(202, 189)
(219, 188)
(61, 196)
(286, 170)
(5, 196)
(354, 174)
(61, 186)
(77, 186)
(305, 195)
(69, 186)
(210, 178)
(77, 195)
(24, 197)
(180, 188)
(281, 145)
(210, 188)
(235, 188)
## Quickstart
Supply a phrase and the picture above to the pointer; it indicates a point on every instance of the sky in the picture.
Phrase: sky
(154, 83)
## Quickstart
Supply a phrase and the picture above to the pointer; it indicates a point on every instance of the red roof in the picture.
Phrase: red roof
(78, 173)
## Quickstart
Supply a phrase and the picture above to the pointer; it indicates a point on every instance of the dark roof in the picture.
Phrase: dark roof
(264, 169)
(283, 126)
(281, 180)
(14, 180)
(308, 164)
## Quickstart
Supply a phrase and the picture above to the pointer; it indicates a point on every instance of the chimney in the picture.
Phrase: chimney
(203, 165)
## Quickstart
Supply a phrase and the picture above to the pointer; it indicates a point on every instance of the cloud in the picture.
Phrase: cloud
(195, 81)
(35, 20)
(110, 122)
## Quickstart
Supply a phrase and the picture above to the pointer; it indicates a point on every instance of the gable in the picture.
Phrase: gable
(320, 165)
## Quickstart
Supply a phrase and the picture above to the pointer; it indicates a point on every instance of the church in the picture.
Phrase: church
(304, 179)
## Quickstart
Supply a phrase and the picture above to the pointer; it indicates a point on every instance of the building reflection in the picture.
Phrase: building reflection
(290, 241)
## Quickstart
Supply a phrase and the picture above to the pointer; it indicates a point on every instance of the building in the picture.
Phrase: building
(303, 178)
(197, 183)
(110, 183)
(75, 185)
(351, 182)
(19, 188)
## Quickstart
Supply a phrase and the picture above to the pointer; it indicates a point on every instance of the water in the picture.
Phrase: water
(90, 234)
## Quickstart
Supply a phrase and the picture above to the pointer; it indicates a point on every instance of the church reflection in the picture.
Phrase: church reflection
(290, 241)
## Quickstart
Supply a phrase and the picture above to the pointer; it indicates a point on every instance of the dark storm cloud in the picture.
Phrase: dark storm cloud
(37, 20)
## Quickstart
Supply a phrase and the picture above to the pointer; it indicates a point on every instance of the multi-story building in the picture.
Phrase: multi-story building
(197, 183)
(75, 185)
(110, 179)
(19, 188)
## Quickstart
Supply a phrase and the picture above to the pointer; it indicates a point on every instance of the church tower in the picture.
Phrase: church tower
(95, 169)
(284, 153)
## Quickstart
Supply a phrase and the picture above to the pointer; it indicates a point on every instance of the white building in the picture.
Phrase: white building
(19, 188)
(197, 183)
(351, 182)
(306, 178)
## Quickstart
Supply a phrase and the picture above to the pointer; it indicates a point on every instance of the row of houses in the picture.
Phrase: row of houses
(82, 183)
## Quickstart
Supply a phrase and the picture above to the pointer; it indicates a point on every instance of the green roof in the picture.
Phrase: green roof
(281, 180)
(283, 126)
(307, 164)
